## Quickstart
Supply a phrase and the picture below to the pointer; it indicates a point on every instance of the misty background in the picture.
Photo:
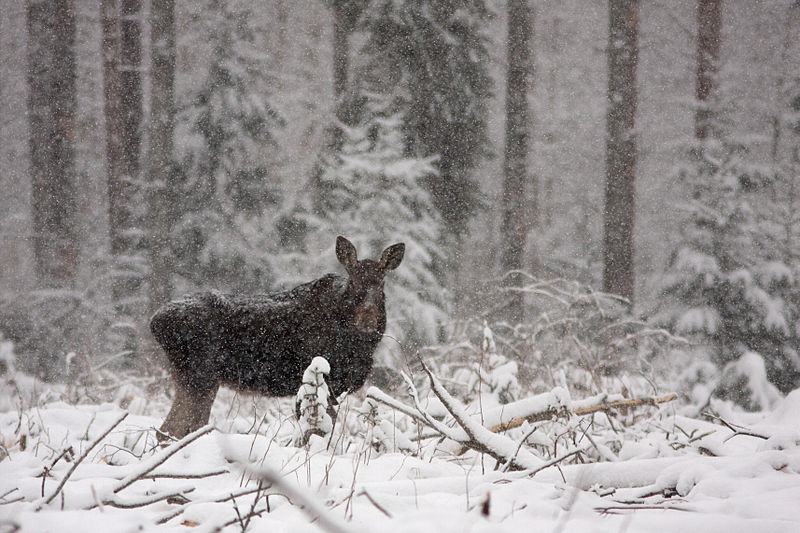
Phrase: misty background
(285, 123)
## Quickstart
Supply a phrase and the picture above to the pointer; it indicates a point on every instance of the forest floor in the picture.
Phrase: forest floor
(681, 474)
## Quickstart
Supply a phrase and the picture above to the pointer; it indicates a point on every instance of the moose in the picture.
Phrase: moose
(262, 344)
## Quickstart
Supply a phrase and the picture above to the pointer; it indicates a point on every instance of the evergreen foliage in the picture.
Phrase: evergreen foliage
(735, 295)
(372, 194)
(432, 56)
(224, 128)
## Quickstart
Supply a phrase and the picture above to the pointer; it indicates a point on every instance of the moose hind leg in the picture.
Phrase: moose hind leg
(190, 410)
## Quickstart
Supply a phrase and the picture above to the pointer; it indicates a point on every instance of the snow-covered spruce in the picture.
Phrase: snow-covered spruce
(312, 402)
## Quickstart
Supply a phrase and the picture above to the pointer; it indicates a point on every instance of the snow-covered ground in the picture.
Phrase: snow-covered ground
(679, 474)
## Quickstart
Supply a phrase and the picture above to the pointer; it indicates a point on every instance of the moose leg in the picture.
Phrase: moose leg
(190, 410)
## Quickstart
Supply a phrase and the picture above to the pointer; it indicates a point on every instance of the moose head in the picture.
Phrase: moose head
(365, 284)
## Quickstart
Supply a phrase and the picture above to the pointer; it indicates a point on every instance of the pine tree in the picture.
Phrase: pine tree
(224, 127)
(433, 55)
(373, 194)
(735, 294)
(734, 274)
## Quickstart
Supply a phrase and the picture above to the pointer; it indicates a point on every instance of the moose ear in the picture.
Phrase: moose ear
(346, 252)
(391, 257)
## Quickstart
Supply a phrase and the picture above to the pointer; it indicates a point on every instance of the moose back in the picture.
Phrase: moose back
(263, 343)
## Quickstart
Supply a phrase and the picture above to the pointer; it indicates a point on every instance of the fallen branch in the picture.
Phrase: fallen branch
(615, 509)
(314, 509)
(582, 410)
(737, 430)
(378, 395)
(630, 402)
(145, 467)
(186, 475)
(78, 462)
(480, 439)
(115, 501)
(166, 517)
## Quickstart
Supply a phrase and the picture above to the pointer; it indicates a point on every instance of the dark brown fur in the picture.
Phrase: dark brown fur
(263, 343)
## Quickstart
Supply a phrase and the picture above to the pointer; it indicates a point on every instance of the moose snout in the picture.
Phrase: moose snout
(367, 317)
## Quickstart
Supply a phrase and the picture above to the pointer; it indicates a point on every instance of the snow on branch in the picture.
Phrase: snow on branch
(532, 412)
(312, 401)
(479, 438)
(83, 456)
(306, 501)
(145, 467)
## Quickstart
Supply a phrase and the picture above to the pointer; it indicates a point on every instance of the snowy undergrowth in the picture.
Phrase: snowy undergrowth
(467, 447)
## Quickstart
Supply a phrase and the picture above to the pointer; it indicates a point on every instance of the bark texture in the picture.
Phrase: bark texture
(52, 102)
(623, 56)
(516, 204)
(162, 126)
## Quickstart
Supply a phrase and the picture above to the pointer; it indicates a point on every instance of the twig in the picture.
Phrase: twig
(166, 517)
(314, 509)
(3, 496)
(519, 447)
(736, 430)
(114, 501)
(15, 500)
(479, 436)
(47, 469)
(373, 502)
(78, 462)
(185, 475)
(611, 509)
(151, 464)
(555, 461)
(252, 507)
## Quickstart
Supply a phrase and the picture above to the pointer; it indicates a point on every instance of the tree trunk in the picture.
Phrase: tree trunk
(345, 15)
(130, 100)
(52, 101)
(117, 204)
(341, 59)
(709, 26)
(162, 126)
(515, 223)
(621, 147)
(122, 54)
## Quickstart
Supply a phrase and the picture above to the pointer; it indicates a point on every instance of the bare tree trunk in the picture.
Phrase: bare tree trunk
(162, 126)
(709, 26)
(52, 101)
(516, 221)
(122, 54)
(621, 147)
(341, 58)
(345, 14)
(117, 204)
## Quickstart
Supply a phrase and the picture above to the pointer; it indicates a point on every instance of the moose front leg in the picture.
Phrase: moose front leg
(190, 410)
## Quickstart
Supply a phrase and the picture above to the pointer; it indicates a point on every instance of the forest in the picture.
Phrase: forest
(593, 322)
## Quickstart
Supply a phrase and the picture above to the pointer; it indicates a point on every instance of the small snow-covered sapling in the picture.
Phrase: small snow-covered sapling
(312, 401)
